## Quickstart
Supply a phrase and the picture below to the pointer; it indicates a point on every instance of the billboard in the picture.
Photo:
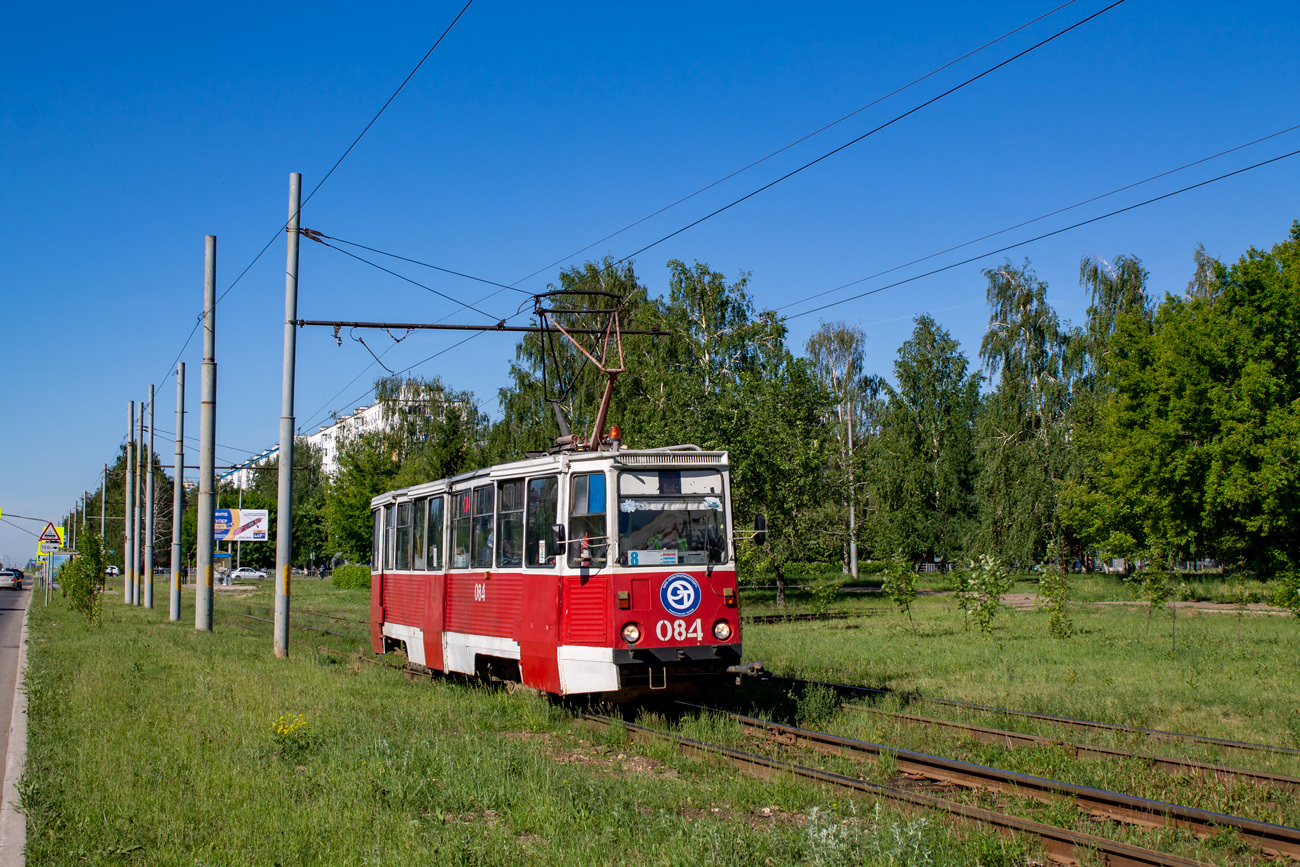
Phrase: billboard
(240, 525)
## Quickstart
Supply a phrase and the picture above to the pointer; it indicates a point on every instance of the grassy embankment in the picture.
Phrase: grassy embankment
(150, 743)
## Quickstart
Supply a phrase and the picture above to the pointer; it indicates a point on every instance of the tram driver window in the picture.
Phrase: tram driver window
(671, 518)
(588, 541)
(375, 538)
(510, 524)
(543, 503)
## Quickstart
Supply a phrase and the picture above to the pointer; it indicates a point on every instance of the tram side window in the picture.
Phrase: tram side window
(510, 524)
(460, 528)
(543, 502)
(375, 537)
(390, 532)
(403, 560)
(481, 538)
(434, 561)
(417, 535)
(588, 542)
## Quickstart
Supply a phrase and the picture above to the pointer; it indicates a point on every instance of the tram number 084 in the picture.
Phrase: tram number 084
(679, 630)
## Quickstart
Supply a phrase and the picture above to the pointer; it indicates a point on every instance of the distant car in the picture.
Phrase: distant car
(244, 572)
(112, 571)
(11, 578)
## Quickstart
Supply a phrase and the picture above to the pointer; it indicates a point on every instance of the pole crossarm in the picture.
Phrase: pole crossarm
(416, 326)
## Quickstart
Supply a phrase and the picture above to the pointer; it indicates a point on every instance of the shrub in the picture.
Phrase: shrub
(900, 585)
(352, 577)
(1287, 593)
(825, 589)
(979, 593)
(82, 579)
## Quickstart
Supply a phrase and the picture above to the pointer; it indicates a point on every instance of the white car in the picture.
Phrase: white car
(244, 572)
(11, 578)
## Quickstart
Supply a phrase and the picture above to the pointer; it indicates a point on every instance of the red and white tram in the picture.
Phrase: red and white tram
(602, 572)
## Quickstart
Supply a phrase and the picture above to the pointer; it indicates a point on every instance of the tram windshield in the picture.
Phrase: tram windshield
(671, 518)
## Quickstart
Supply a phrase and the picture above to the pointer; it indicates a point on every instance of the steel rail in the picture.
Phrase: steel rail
(1012, 740)
(1061, 844)
(1058, 720)
(1100, 803)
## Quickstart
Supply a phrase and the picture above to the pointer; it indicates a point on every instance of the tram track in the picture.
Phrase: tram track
(1266, 837)
(1066, 722)
(1062, 845)
(1014, 740)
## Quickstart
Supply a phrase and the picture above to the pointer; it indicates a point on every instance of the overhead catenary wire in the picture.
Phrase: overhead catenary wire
(314, 235)
(1037, 238)
(376, 359)
(1039, 219)
(317, 237)
(798, 141)
(321, 183)
(871, 132)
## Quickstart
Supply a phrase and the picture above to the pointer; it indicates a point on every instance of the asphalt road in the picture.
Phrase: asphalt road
(13, 605)
(13, 831)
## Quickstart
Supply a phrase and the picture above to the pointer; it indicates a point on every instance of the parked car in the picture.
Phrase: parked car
(112, 571)
(11, 578)
(245, 572)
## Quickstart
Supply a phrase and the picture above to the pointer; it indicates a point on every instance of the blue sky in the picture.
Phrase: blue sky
(127, 134)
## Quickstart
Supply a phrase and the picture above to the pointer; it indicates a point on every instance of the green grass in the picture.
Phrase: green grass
(151, 743)
(1214, 683)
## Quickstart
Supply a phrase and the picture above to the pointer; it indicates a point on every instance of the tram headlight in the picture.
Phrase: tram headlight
(631, 633)
(722, 630)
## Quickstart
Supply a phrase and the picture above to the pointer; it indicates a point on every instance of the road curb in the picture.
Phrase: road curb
(13, 824)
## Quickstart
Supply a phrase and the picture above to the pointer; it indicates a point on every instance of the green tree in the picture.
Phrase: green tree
(779, 455)
(835, 353)
(1201, 452)
(1024, 431)
(922, 462)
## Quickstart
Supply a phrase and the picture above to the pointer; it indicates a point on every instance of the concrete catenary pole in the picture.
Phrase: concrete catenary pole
(149, 515)
(178, 490)
(128, 544)
(103, 501)
(135, 510)
(284, 514)
(853, 499)
(207, 442)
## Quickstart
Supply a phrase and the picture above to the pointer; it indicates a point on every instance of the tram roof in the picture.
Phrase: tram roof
(680, 456)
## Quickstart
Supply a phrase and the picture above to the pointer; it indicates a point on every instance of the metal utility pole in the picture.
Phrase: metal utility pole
(284, 514)
(128, 543)
(135, 509)
(178, 488)
(207, 440)
(103, 501)
(149, 516)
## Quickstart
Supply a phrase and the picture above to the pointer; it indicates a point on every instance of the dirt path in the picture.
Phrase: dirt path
(1027, 601)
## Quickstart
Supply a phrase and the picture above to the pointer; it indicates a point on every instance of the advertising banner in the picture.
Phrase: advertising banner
(240, 525)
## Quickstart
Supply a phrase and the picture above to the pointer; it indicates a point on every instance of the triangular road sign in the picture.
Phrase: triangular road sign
(50, 534)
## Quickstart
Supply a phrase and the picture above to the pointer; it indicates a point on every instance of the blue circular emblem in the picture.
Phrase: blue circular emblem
(680, 594)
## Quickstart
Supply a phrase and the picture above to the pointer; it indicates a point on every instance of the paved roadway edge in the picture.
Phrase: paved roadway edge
(13, 824)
